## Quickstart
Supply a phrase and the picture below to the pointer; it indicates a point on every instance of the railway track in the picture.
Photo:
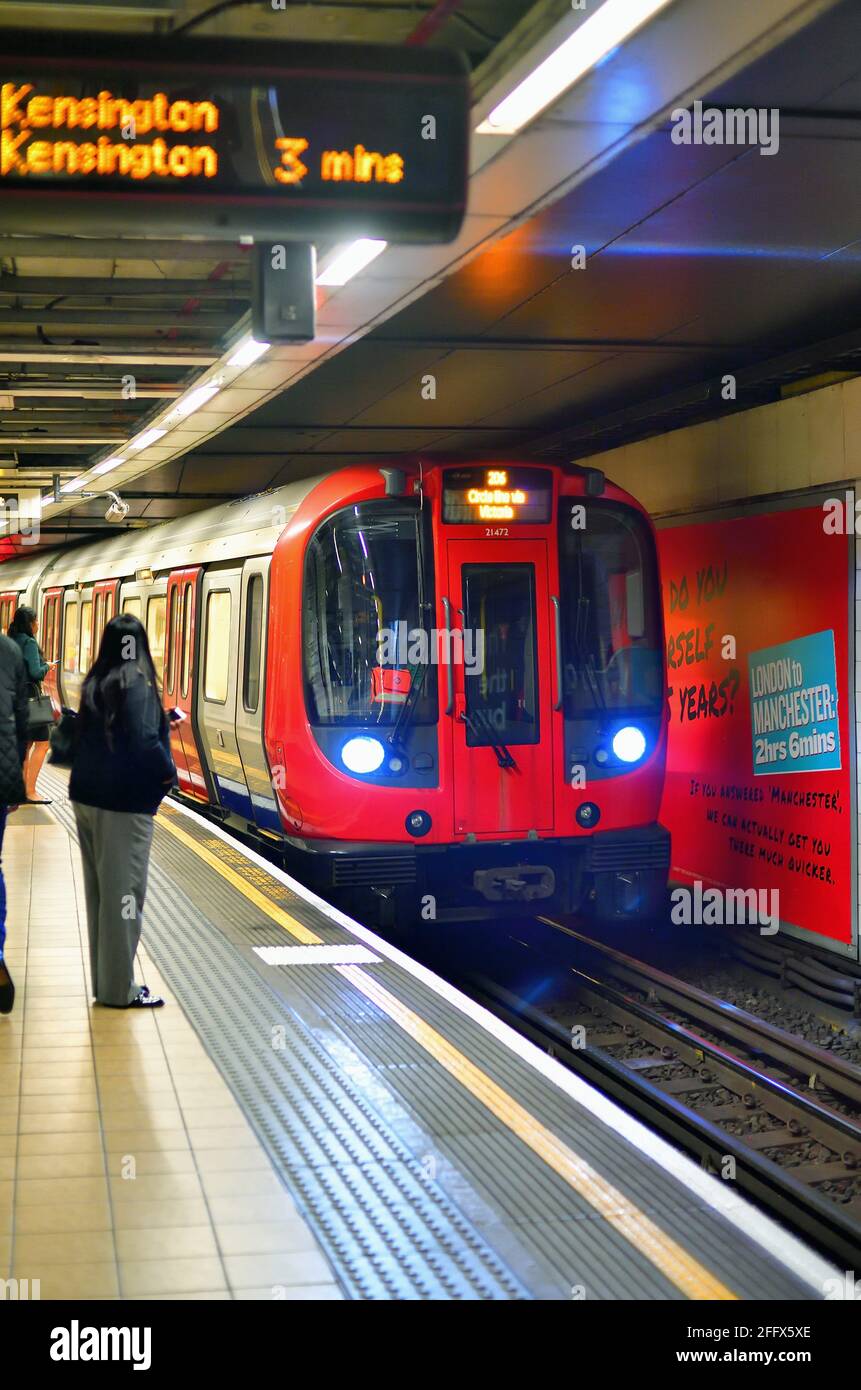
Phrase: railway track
(775, 1113)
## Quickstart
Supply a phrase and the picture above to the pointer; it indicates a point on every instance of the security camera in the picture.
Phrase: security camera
(118, 509)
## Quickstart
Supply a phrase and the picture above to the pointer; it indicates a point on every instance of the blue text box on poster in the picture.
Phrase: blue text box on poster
(793, 706)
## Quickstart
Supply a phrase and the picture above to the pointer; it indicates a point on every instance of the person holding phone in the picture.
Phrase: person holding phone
(121, 770)
(22, 630)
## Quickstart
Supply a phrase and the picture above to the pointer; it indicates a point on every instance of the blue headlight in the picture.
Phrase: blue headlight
(629, 744)
(362, 754)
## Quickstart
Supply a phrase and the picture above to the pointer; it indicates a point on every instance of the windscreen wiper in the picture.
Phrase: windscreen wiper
(484, 730)
(407, 709)
(587, 663)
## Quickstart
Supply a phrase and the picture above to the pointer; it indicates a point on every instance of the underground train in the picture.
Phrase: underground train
(435, 687)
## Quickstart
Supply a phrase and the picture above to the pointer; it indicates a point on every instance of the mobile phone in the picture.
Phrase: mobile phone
(176, 716)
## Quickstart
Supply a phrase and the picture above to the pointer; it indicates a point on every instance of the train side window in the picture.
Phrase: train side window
(216, 665)
(110, 604)
(155, 620)
(253, 643)
(4, 614)
(187, 601)
(98, 605)
(71, 620)
(172, 623)
(86, 640)
(46, 634)
(133, 606)
(48, 628)
(57, 610)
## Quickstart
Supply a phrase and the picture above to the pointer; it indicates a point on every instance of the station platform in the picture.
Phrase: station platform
(313, 1115)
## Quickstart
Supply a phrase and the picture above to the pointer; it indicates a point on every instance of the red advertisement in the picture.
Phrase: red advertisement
(758, 790)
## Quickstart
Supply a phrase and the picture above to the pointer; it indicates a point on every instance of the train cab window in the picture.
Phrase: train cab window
(367, 605)
(501, 707)
(187, 605)
(86, 639)
(216, 664)
(155, 619)
(71, 619)
(134, 606)
(172, 624)
(253, 643)
(610, 611)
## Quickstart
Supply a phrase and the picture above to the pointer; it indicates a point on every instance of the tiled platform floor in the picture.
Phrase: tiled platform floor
(127, 1170)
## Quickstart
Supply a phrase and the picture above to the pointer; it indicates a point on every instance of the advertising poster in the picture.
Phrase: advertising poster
(759, 770)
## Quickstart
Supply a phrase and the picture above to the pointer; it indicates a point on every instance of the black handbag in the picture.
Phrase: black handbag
(62, 739)
(40, 712)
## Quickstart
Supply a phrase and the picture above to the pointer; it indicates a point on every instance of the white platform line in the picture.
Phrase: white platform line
(316, 955)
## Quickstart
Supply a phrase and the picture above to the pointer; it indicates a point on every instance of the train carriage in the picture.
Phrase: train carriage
(438, 685)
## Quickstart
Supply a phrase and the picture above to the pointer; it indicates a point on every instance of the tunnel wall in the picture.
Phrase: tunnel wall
(771, 469)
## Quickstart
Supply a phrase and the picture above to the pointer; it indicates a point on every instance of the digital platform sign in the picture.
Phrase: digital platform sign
(213, 139)
(472, 496)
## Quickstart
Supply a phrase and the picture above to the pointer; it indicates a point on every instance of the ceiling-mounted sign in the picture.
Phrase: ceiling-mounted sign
(211, 139)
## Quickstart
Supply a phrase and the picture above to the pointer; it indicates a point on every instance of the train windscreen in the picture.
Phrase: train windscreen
(611, 623)
(366, 607)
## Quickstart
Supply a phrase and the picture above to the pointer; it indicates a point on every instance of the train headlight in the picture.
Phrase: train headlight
(629, 744)
(362, 754)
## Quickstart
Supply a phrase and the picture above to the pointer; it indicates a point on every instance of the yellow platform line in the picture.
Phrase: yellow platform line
(681, 1268)
(272, 910)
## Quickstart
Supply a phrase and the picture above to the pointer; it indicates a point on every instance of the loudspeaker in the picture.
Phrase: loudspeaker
(283, 302)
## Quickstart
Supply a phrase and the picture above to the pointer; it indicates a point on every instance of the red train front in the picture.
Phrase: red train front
(465, 692)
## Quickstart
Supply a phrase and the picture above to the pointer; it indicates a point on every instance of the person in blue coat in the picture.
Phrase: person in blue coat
(22, 630)
(13, 736)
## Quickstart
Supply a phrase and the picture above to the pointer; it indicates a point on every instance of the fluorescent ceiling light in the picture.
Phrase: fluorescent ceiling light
(349, 262)
(147, 438)
(609, 26)
(195, 399)
(107, 465)
(73, 485)
(248, 351)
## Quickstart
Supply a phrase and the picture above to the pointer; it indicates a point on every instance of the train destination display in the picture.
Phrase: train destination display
(474, 495)
(329, 139)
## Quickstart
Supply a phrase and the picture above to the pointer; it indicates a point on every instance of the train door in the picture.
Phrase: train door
(250, 692)
(8, 604)
(49, 640)
(70, 633)
(104, 608)
(501, 688)
(179, 679)
(217, 682)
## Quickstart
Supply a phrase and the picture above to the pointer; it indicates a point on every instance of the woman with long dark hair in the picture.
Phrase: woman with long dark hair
(122, 769)
(22, 630)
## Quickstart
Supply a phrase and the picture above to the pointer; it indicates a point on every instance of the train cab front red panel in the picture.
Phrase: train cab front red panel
(479, 711)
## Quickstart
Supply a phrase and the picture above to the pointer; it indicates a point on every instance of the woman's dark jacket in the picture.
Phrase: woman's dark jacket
(36, 668)
(14, 697)
(135, 770)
